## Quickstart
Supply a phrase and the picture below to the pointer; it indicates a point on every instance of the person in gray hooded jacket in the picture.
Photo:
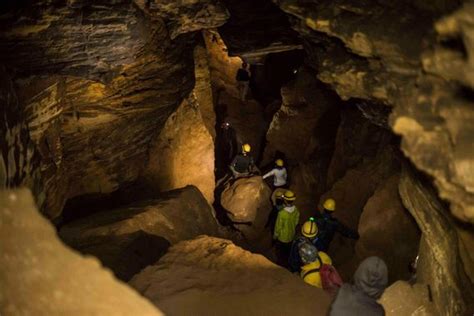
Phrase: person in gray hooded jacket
(360, 299)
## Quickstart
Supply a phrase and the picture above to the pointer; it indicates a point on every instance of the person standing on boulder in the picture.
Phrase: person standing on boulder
(243, 81)
(329, 225)
(243, 164)
(370, 281)
(285, 227)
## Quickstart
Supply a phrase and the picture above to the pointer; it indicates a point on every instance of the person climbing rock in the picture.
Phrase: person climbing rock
(309, 230)
(313, 261)
(243, 80)
(360, 299)
(285, 227)
(328, 226)
(226, 148)
(243, 164)
(279, 174)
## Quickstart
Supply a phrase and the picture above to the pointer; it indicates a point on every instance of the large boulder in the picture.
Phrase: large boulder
(388, 230)
(248, 203)
(401, 298)
(128, 239)
(41, 276)
(208, 276)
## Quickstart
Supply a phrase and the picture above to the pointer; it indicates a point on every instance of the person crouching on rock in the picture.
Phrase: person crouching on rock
(243, 164)
(285, 227)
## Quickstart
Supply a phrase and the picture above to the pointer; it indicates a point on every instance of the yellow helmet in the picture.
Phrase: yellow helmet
(246, 148)
(279, 163)
(289, 196)
(330, 205)
(309, 228)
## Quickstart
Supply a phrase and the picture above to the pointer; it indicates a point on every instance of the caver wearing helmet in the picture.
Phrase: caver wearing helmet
(309, 233)
(279, 174)
(285, 225)
(243, 163)
(329, 225)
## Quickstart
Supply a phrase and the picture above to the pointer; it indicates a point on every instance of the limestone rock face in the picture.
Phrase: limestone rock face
(402, 298)
(388, 230)
(187, 16)
(392, 66)
(94, 83)
(439, 266)
(248, 203)
(212, 276)
(183, 153)
(130, 238)
(41, 276)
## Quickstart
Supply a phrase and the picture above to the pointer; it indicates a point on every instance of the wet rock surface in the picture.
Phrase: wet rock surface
(212, 276)
(401, 298)
(129, 238)
(247, 202)
(41, 276)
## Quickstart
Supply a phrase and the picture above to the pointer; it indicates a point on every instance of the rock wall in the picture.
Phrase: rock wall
(212, 276)
(129, 238)
(442, 265)
(41, 276)
(97, 82)
(389, 54)
(183, 152)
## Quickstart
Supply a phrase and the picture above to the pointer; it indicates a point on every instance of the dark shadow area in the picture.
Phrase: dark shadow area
(277, 70)
(126, 255)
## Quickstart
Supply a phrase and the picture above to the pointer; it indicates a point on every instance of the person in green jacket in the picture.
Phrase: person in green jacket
(285, 227)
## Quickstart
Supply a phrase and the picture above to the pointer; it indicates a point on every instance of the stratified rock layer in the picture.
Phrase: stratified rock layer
(212, 276)
(41, 276)
(130, 238)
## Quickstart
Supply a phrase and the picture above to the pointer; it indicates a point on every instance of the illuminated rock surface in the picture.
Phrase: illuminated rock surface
(248, 203)
(213, 276)
(129, 238)
(41, 276)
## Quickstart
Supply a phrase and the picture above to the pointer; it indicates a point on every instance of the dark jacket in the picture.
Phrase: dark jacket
(242, 75)
(242, 164)
(328, 226)
(360, 299)
(294, 260)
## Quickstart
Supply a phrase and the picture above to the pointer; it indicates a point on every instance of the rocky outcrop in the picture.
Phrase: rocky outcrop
(96, 83)
(186, 16)
(183, 152)
(378, 51)
(254, 19)
(129, 238)
(388, 230)
(212, 276)
(439, 267)
(401, 298)
(41, 276)
(247, 202)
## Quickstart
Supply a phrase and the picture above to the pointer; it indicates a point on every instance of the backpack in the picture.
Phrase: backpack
(330, 279)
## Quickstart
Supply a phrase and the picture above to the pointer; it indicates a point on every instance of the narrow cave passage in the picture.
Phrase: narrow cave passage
(122, 121)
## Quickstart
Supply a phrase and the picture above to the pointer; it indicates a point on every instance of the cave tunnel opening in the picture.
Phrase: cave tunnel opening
(362, 109)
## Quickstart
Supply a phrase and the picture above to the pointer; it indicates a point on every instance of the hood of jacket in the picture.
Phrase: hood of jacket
(371, 277)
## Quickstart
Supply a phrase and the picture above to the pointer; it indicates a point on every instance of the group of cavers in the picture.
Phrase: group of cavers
(302, 248)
